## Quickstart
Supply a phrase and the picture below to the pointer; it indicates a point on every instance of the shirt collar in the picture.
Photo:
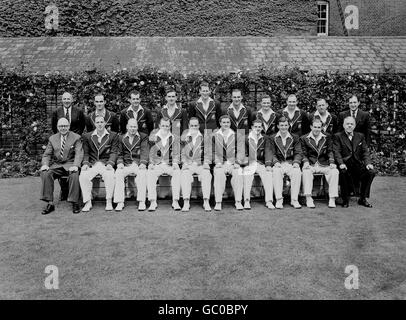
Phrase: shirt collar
(127, 135)
(287, 136)
(317, 113)
(271, 111)
(159, 134)
(252, 135)
(310, 135)
(131, 108)
(230, 132)
(166, 106)
(104, 133)
(232, 107)
(201, 100)
(188, 134)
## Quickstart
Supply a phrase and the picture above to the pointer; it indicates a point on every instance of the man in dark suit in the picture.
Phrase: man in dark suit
(267, 116)
(298, 119)
(352, 156)
(132, 159)
(329, 121)
(65, 151)
(241, 116)
(206, 110)
(110, 118)
(100, 149)
(135, 111)
(362, 119)
(75, 116)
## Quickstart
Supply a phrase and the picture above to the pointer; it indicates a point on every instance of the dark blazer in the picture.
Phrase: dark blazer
(77, 121)
(209, 120)
(322, 152)
(137, 152)
(259, 152)
(351, 152)
(200, 152)
(105, 152)
(72, 152)
(362, 123)
(112, 122)
(331, 124)
(144, 120)
(244, 120)
(291, 153)
(170, 153)
(232, 150)
(270, 125)
(299, 124)
(179, 119)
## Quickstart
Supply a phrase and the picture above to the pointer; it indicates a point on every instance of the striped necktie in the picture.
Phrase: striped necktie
(63, 145)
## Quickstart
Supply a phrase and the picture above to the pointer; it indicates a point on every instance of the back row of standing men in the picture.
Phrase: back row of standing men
(285, 126)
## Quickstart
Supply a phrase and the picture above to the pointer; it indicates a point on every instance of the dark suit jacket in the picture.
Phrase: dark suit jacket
(299, 124)
(260, 152)
(105, 152)
(144, 120)
(178, 120)
(137, 152)
(72, 152)
(322, 152)
(331, 124)
(244, 120)
(77, 121)
(291, 153)
(209, 120)
(346, 151)
(112, 122)
(270, 124)
(362, 123)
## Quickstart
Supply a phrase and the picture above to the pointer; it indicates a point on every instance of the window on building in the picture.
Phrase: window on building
(322, 18)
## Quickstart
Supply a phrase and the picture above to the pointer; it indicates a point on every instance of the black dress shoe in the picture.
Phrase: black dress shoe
(75, 208)
(365, 203)
(48, 209)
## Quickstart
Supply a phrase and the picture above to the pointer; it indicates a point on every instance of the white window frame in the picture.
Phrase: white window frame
(325, 3)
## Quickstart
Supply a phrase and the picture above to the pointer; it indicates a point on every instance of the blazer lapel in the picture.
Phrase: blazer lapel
(347, 141)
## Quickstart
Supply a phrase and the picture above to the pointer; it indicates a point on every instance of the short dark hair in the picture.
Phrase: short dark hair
(257, 121)
(236, 90)
(266, 96)
(100, 93)
(166, 119)
(282, 119)
(224, 116)
(169, 90)
(316, 119)
(134, 92)
(204, 84)
(194, 118)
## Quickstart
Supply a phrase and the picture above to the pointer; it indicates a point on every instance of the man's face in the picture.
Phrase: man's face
(194, 125)
(132, 127)
(225, 123)
(165, 125)
(349, 125)
(292, 103)
(257, 128)
(204, 92)
(67, 100)
(354, 103)
(236, 97)
(63, 127)
(100, 123)
(99, 102)
(316, 128)
(266, 104)
(135, 100)
(322, 106)
(283, 127)
(171, 98)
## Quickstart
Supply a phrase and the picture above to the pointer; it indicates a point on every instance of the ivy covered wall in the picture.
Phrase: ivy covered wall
(160, 17)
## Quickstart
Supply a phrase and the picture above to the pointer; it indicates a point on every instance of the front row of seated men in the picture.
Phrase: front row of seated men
(270, 157)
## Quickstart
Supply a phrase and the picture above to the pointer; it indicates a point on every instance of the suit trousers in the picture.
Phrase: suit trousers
(152, 178)
(187, 179)
(295, 176)
(140, 181)
(86, 183)
(237, 181)
(266, 178)
(47, 186)
(355, 173)
(331, 177)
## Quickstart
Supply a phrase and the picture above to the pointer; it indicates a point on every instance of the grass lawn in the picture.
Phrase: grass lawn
(288, 254)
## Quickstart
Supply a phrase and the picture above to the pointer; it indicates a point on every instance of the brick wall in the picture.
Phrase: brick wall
(376, 18)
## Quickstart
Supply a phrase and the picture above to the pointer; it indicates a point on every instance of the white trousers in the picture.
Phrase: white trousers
(266, 178)
(86, 184)
(237, 181)
(331, 177)
(295, 176)
(152, 178)
(140, 181)
(187, 180)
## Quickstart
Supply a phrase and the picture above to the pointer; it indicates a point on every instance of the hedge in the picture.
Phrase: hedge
(160, 18)
(23, 99)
